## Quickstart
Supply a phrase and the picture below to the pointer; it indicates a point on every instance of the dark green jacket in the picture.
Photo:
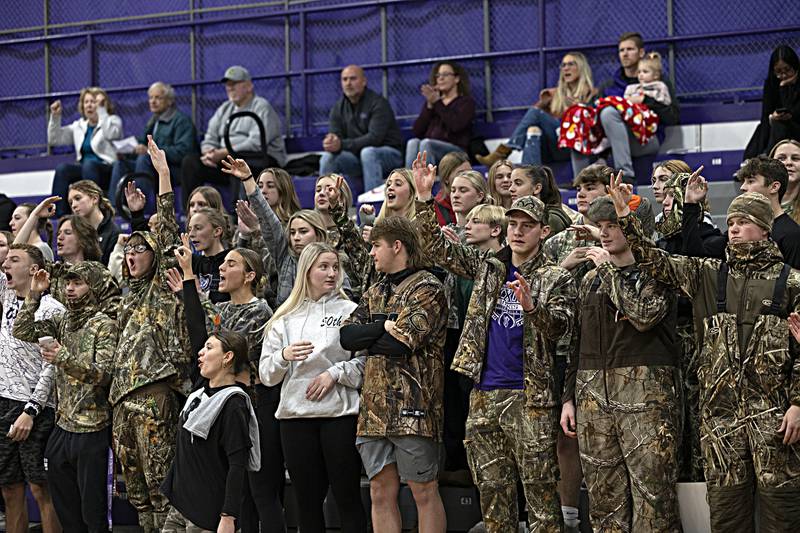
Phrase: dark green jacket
(175, 134)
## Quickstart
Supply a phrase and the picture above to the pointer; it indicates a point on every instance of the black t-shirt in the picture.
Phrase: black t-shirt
(207, 476)
(786, 234)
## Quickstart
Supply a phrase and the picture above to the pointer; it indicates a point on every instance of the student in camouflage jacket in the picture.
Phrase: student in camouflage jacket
(151, 360)
(622, 382)
(82, 352)
(520, 305)
(748, 369)
(401, 322)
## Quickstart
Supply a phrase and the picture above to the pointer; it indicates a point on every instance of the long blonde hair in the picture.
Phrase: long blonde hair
(583, 89)
(302, 289)
(796, 201)
(411, 209)
(345, 194)
(493, 192)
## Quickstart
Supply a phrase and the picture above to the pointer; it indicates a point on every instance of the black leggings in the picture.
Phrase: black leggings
(263, 500)
(321, 452)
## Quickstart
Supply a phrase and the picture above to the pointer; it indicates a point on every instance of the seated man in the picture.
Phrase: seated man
(624, 145)
(364, 139)
(244, 134)
(171, 128)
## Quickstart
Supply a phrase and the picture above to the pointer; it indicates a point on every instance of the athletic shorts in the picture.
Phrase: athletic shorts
(417, 458)
(23, 461)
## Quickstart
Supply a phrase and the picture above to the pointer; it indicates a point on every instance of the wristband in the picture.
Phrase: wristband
(248, 178)
(31, 409)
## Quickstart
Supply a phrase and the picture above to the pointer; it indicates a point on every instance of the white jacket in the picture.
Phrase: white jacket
(109, 128)
(318, 322)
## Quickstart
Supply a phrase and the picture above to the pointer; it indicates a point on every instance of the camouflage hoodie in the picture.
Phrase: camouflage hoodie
(748, 365)
(153, 337)
(88, 338)
(553, 290)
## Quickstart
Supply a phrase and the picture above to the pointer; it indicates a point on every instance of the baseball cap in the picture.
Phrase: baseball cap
(236, 73)
(529, 205)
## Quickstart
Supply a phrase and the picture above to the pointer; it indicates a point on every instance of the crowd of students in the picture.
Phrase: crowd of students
(485, 334)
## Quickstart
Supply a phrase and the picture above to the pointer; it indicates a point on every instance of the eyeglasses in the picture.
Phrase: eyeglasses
(568, 64)
(138, 249)
(445, 74)
(785, 72)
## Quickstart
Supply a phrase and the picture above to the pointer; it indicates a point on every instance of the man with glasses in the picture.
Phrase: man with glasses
(364, 139)
(244, 134)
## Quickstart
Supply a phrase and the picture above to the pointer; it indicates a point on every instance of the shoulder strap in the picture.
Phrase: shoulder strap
(776, 307)
(722, 287)
(595, 284)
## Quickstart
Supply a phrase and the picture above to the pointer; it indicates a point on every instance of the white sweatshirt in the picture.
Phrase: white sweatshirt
(317, 322)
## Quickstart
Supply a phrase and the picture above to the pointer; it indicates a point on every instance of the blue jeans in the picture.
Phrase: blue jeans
(374, 164)
(68, 173)
(624, 146)
(436, 150)
(532, 145)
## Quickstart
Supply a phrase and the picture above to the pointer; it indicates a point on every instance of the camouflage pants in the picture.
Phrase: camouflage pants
(144, 432)
(177, 523)
(690, 458)
(742, 453)
(627, 434)
(504, 441)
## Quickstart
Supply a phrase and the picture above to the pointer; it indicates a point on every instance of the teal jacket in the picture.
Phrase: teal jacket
(175, 134)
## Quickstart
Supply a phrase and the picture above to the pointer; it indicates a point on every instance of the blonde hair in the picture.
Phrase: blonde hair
(288, 202)
(796, 201)
(302, 288)
(90, 188)
(493, 192)
(478, 183)
(410, 210)
(653, 60)
(493, 215)
(94, 91)
(313, 219)
(345, 194)
(217, 220)
(583, 89)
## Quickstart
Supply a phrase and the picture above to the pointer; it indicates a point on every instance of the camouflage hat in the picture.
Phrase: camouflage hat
(753, 206)
(602, 208)
(530, 205)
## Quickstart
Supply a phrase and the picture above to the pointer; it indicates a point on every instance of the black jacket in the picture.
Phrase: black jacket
(370, 122)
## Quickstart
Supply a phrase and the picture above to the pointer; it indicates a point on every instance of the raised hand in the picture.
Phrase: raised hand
(450, 234)
(620, 194)
(183, 254)
(430, 93)
(696, 188)
(297, 351)
(40, 281)
(135, 198)
(238, 168)
(522, 290)
(47, 207)
(55, 108)
(248, 220)
(174, 280)
(598, 255)
(585, 232)
(335, 192)
(157, 157)
(424, 176)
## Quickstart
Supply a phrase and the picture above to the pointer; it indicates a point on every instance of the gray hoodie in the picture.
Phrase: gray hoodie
(318, 322)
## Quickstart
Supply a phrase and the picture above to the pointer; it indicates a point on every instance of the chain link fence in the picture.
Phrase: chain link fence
(295, 56)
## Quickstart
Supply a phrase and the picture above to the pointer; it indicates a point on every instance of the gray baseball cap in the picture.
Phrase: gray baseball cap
(236, 73)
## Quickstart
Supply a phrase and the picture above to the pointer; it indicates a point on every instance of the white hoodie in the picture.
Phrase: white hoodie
(317, 322)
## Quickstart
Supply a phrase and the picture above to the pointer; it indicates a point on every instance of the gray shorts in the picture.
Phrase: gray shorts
(417, 458)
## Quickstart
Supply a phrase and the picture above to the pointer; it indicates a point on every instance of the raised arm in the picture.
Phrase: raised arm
(111, 125)
(26, 327)
(167, 230)
(460, 259)
(57, 134)
(45, 209)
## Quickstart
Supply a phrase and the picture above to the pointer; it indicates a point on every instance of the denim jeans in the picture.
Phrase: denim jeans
(374, 164)
(531, 146)
(624, 146)
(68, 173)
(436, 150)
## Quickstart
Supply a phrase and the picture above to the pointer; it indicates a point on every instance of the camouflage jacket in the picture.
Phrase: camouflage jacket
(748, 361)
(153, 337)
(83, 364)
(403, 395)
(624, 318)
(110, 299)
(553, 291)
